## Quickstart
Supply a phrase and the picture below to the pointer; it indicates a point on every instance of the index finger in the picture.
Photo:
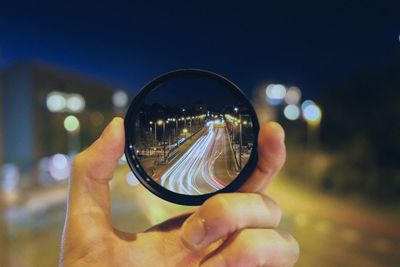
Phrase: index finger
(271, 157)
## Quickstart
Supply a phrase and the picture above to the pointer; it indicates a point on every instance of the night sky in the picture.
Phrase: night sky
(127, 44)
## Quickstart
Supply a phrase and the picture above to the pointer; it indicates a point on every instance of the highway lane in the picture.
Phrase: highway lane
(194, 172)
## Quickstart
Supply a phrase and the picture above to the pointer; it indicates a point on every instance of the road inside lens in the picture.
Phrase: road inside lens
(204, 165)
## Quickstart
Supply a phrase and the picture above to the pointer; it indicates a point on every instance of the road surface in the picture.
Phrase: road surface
(205, 167)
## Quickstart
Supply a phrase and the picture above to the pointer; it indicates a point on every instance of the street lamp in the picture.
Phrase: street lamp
(161, 122)
(176, 131)
(183, 110)
(240, 141)
(191, 122)
(151, 129)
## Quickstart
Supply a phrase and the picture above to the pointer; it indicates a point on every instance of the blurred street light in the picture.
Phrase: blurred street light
(120, 99)
(312, 114)
(293, 95)
(75, 103)
(61, 102)
(56, 102)
(59, 167)
(275, 93)
(72, 125)
(306, 103)
(291, 112)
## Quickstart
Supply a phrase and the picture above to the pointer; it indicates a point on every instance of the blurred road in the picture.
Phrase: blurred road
(332, 232)
(205, 166)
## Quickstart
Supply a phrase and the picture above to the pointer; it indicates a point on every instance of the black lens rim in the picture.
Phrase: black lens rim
(134, 162)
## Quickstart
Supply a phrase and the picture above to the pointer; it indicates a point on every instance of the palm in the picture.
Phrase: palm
(158, 246)
(162, 246)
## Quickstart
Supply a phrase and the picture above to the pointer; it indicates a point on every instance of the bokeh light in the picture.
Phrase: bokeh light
(291, 112)
(56, 102)
(312, 114)
(275, 93)
(293, 95)
(71, 123)
(11, 175)
(59, 167)
(76, 103)
(306, 103)
(120, 99)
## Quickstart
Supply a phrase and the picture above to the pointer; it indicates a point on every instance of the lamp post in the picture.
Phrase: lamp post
(191, 133)
(151, 130)
(240, 141)
(236, 111)
(176, 131)
(183, 110)
(161, 122)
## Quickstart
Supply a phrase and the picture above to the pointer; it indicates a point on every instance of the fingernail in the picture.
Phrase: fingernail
(193, 231)
(216, 261)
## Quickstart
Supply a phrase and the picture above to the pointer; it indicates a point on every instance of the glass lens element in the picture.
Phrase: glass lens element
(193, 134)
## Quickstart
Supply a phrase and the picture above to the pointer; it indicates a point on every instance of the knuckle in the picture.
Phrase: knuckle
(274, 211)
(278, 215)
(219, 215)
(219, 204)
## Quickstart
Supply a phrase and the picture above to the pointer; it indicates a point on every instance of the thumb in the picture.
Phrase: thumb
(92, 169)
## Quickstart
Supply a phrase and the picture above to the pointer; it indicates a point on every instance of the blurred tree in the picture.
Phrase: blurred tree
(361, 127)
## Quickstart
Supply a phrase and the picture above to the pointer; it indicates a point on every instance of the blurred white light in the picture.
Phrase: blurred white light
(276, 91)
(306, 103)
(11, 177)
(312, 113)
(71, 123)
(291, 112)
(59, 167)
(120, 99)
(75, 103)
(131, 179)
(56, 102)
(275, 94)
(293, 95)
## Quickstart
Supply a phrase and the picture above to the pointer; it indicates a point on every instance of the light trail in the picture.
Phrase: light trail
(193, 173)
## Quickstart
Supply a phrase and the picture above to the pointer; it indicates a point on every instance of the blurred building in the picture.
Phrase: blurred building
(46, 110)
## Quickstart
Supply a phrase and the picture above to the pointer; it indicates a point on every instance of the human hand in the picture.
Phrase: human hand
(233, 229)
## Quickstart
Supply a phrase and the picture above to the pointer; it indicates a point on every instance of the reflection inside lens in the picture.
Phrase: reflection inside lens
(193, 135)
